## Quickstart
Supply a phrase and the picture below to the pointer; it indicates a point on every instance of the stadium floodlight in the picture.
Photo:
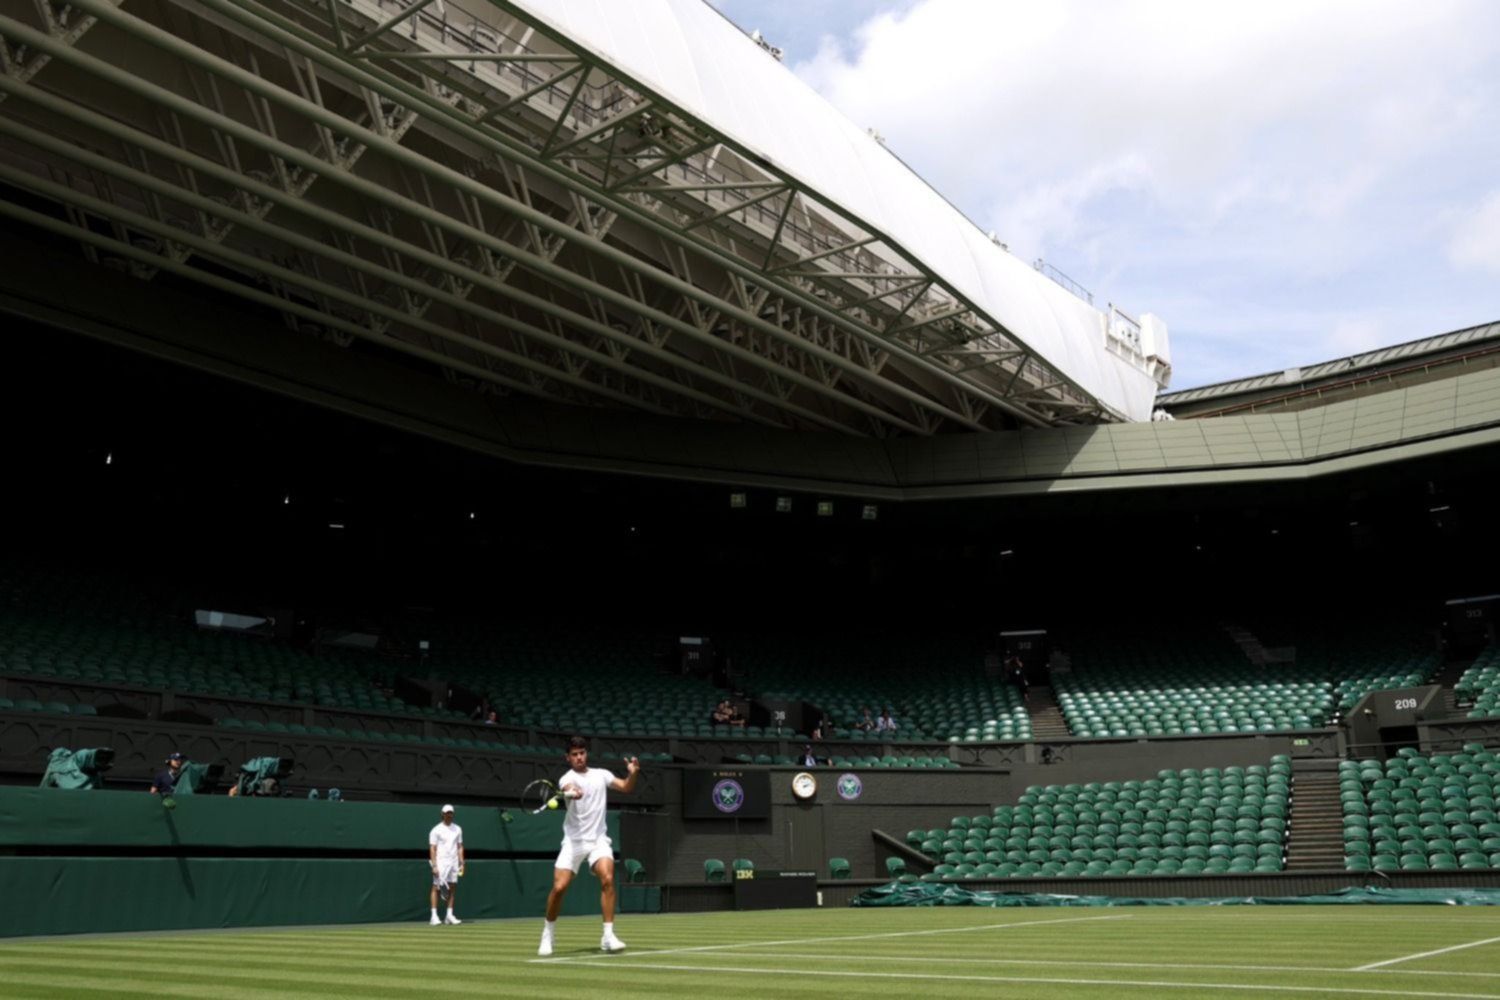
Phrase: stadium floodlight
(198, 779)
(783, 505)
(739, 501)
(869, 512)
(77, 770)
(261, 777)
(825, 508)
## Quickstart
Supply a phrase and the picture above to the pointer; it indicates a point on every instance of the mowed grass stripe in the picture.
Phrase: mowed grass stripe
(1107, 984)
(1094, 964)
(273, 981)
(1174, 964)
(1168, 951)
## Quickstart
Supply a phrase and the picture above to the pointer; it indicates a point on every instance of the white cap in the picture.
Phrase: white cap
(447, 809)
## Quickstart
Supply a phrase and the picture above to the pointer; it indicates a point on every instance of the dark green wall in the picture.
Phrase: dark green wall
(88, 894)
(49, 818)
(144, 867)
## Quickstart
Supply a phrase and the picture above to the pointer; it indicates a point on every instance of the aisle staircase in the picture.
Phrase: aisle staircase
(1315, 839)
(1047, 722)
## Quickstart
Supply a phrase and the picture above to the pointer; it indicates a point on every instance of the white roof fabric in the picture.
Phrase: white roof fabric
(694, 57)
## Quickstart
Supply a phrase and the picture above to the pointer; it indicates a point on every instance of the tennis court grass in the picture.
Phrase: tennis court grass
(1297, 951)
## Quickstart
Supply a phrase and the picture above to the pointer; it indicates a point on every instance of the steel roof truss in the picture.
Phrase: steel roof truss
(221, 5)
(619, 119)
(413, 298)
(224, 128)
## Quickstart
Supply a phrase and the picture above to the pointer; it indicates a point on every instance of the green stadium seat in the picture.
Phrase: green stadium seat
(713, 870)
(838, 868)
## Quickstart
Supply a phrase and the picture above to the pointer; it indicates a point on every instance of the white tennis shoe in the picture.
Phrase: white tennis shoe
(435, 920)
(611, 943)
(451, 919)
(545, 949)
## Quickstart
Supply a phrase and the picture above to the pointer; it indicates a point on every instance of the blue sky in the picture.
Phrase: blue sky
(1282, 182)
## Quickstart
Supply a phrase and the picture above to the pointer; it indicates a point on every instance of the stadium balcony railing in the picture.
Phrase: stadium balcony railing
(1416, 813)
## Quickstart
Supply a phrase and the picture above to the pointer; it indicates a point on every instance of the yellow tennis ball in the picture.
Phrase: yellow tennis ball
(551, 803)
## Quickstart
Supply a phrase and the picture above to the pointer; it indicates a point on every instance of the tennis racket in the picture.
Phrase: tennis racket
(536, 796)
(541, 794)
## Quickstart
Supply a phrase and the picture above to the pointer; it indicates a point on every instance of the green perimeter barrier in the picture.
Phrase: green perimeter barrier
(937, 894)
(48, 817)
(81, 895)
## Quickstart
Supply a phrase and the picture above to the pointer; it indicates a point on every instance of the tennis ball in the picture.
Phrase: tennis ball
(551, 803)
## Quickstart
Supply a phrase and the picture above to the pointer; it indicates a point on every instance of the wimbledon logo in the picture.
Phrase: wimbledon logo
(728, 795)
(850, 787)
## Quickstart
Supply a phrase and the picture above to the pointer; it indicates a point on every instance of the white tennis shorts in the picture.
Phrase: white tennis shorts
(445, 874)
(575, 852)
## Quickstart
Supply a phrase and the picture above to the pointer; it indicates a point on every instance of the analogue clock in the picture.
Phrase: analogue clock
(804, 785)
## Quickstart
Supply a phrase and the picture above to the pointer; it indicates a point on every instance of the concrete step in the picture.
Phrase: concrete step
(1315, 826)
(1047, 720)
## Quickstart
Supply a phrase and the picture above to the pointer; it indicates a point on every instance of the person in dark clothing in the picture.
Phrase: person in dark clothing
(1015, 673)
(165, 780)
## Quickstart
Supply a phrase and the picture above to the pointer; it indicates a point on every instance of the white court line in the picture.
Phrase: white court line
(822, 940)
(1116, 984)
(1425, 954)
(1090, 964)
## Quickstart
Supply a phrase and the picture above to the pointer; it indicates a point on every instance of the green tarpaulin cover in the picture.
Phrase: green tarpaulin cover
(939, 894)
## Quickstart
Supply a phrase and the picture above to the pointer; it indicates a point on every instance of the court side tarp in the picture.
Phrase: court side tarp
(939, 894)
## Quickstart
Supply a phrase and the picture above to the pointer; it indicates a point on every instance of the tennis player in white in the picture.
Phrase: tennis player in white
(583, 789)
(445, 854)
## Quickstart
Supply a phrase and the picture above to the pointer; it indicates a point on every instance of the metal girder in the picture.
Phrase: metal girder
(907, 268)
(689, 290)
(57, 23)
(559, 272)
(306, 161)
(781, 223)
(808, 383)
(262, 192)
(414, 8)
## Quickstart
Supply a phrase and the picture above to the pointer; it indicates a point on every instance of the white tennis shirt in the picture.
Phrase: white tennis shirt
(447, 838)
(585, 819)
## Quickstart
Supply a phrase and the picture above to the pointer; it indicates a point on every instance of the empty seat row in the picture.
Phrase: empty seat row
(1182, 821)
(1417, 813)
(55, 707)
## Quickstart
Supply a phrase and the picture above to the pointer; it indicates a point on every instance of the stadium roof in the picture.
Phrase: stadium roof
(602, 205)
(687, 52)
(1358, 374)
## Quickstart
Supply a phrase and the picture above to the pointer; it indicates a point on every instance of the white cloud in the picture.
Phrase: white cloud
(1272, 164)
(1476, 240)
(1357, 334)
